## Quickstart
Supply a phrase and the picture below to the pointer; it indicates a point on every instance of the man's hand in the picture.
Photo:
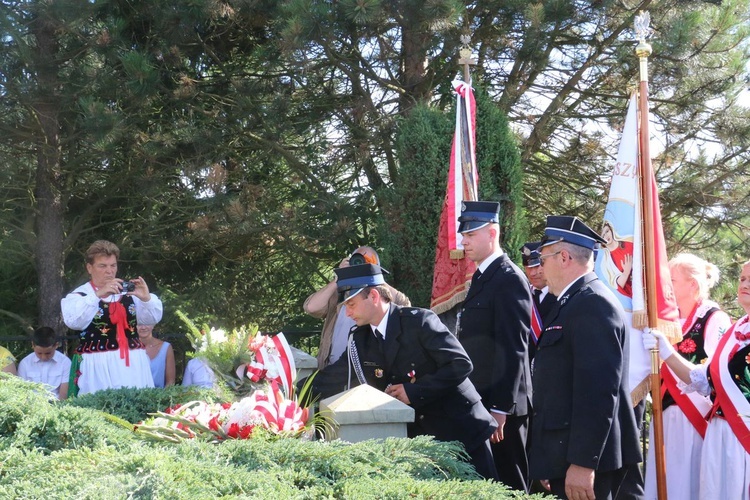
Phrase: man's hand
(141, 289)
(498, 434)
(397, 391)
(110, 287)
(579, 483)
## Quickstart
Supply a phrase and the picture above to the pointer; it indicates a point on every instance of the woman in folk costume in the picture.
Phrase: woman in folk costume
(703, 324)
(725, 458)
(106, 317)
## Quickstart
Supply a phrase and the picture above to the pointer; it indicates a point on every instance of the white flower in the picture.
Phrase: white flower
(217, 336)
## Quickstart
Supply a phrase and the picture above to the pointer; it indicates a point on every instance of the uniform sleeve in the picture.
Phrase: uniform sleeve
(511, 324)
(598, 348)
(79, 309)
(148, 313)
(453, 364)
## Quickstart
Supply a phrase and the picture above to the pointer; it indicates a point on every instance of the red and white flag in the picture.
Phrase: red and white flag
(452, 273)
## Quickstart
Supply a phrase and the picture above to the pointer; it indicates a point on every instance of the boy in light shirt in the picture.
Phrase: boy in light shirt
(46, 364)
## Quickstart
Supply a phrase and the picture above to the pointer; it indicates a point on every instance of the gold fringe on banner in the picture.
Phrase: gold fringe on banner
(640, 319)
(457, 254)
(640, 391)
(670, 329)
(450, 303)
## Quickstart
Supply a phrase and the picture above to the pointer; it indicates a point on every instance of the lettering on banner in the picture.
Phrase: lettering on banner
(625, 170)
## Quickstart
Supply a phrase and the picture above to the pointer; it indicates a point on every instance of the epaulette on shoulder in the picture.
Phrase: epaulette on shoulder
(409, 311)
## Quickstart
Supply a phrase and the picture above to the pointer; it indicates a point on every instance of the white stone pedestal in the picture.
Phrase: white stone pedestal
(306, 364)
(366, 413)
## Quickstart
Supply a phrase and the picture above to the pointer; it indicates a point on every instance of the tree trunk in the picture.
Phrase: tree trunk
(49, 215)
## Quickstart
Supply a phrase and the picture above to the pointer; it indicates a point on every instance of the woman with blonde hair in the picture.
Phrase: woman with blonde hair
(684, 415)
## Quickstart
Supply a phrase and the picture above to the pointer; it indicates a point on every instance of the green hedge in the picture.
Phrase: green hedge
(56, 450)
(134, 405)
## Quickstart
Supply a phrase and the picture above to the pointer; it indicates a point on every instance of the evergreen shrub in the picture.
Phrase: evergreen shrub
(57, 450)
(134, 405)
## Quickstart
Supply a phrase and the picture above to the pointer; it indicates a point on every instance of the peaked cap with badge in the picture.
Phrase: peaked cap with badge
(570, 229)
(530, 254)
(353, 279)
(477, 214)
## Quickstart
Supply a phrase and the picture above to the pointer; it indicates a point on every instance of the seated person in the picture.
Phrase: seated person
(198, 373)
(46, 365)
(7, 361)
(161, 355)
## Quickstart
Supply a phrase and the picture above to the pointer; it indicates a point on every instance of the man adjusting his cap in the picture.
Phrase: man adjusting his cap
(409, 354)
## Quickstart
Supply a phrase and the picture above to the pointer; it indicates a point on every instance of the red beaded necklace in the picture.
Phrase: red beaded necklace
(739, 335)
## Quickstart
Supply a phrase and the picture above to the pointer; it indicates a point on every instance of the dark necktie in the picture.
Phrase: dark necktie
(537, 297)
(476, 276)
(379, 338)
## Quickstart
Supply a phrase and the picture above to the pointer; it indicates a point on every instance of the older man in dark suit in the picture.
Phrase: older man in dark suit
(494, 329)
(584, 436)
(408, 353)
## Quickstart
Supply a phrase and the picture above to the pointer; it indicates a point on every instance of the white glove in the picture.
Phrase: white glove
(652, 337)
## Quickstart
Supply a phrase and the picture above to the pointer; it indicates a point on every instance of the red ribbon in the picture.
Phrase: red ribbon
(119, 319)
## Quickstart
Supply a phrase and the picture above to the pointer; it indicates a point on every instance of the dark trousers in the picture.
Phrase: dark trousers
(511, 460)
(481, 459)
(606, 484)
(632, 487)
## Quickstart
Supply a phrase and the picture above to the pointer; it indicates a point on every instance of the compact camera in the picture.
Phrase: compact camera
(357, 259)
(128, 286)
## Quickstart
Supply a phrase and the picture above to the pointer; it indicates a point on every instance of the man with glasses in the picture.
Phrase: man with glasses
(584, 435)
(494, 329)
(410, 355)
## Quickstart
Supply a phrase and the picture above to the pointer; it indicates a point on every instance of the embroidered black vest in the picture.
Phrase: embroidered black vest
(691, 347)
(101, 334)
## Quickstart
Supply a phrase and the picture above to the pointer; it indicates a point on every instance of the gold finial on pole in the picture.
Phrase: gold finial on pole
(466, 59)
(643, 50)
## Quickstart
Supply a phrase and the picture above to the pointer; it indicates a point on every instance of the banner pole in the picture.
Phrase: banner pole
(643, 51)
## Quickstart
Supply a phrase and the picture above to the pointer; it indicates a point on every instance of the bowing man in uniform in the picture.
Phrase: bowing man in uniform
(410, 355)
(494, 329)
(584, 438)
(544, 301)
